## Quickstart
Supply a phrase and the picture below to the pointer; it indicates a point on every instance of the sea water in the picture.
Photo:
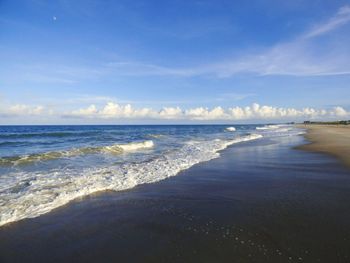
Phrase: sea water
(44, 167)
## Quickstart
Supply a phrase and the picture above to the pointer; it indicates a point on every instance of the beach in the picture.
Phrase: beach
(260, 201)
(174, 131)
(330, 139)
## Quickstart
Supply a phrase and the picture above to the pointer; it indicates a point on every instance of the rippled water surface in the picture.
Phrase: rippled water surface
(44, 167)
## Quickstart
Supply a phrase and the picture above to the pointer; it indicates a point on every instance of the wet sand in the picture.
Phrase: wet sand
(261, 201)
(330, 139)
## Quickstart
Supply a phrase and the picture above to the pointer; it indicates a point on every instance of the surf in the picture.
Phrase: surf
(46, 156)
(31, 194)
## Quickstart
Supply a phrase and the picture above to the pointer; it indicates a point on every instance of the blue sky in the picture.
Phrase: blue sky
(173, 61)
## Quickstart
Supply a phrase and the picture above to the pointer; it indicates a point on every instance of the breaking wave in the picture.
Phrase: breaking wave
(39, 157)
(231, 129)
(268, 127)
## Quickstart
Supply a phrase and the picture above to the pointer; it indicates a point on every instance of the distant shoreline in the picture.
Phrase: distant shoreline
(333, 139)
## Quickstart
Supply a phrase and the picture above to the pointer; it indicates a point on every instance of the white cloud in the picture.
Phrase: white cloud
(21, 109)
(206, 114)
(170, 113)
(254, 112)
(339, 111)
(89, 111)
(146, 69)
(301, 56)
(25, 111)
(341, 18)
(112, 111)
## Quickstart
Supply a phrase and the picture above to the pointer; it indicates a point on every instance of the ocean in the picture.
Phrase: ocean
(45, 167)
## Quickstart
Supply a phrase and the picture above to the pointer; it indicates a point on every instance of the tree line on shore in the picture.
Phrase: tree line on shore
(343, 122)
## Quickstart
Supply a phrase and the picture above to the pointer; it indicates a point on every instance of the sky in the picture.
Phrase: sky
(140, 62)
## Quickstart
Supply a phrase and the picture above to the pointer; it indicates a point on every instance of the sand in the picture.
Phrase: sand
(330, 139)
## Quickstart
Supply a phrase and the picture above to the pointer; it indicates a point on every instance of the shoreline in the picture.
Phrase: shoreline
(260, 201)
(329, 139)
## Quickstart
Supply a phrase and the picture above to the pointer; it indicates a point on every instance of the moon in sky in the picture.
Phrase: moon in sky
(54, 18)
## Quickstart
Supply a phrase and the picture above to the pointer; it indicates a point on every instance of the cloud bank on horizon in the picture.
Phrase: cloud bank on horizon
(114, 111)
(145, 61)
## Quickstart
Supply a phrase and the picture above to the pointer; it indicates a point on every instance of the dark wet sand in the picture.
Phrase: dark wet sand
(257, 203)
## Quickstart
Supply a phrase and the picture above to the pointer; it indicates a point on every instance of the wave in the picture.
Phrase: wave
(128, 147)
(281, 130)
(268, 127)
(39, 157)
(231, 129)
(28, 195)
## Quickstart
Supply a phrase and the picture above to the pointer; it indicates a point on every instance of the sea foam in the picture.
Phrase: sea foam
(231, 129)
(268, 127)
(30, 194)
